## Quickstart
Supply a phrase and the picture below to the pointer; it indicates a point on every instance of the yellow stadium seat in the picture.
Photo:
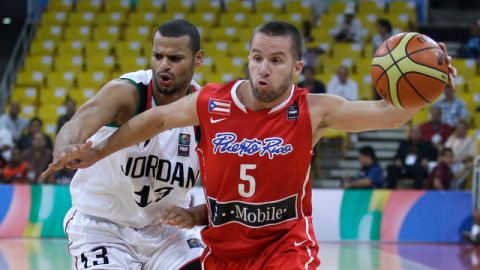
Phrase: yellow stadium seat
(205, 19)
(239, 6)
(178, 6)
(25, 95)
(337, 7)
(465, 67)
(207, 66)
(239, 49)
(299, 7)
(105, 63)
(140, 33)
(115, 18)
(365, 87)
(421, 116)
(30, 78)
(330, 65)
(199, 77)
(254, 20)
(61, 79)
(329, 20)
(78, 33)
(133, 48)
(401, 6)
(53, 96)
(60, 5)
(83, 94)
(461, 82)
(98, 48)
(268, 6)
(233, 65)
(50, 128)
(150, 6)
(205, 32)
(294, 18)
(28, 111)
(142, 18)
(216, 48)
(400, 21)
(82, 18)
(347, 50)
(54, 18)
(88, 5)
(51, 112)
(362, 65)
(473, 85)
(71, 63)
(93, 79)
(129, 63)
(321, 35)
(74, 47)
(224, 34)
(117, 5)
(367, 7)
(110, 33)
(207, 6)
(43, 63)
(219, 77)
(50, 32)
(233, 19)
(42, 47)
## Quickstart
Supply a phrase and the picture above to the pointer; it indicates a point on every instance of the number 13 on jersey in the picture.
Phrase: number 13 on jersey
(246, 189)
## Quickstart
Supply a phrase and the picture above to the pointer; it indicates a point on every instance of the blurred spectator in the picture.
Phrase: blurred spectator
(453, 109)
(384, 31)
(348, 28)
(473, 236)
(471, 49)
(71, 107)
(6, 139)
(341, 85)
(464, 150)
(38, 156)
(16, 169)
(434, 130)
(371, 175)
(314, 86)
(411, 160)
(34, 126)
(13, 122)
(441, 175)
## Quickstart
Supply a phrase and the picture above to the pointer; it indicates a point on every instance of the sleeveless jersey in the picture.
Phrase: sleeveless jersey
(131, 186)
(254, 168)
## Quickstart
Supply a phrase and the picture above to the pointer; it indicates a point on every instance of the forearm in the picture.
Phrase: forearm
(395, 117)
(140, 128)
(200, 215)
(70, 133)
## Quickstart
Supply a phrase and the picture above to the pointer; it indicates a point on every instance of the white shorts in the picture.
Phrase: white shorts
(100, 244)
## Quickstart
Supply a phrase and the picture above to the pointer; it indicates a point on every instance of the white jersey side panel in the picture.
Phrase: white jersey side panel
(133, 185)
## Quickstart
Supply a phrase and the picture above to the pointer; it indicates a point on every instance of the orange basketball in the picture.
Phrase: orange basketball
(409, 70)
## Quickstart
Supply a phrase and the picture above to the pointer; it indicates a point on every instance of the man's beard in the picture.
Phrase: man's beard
(166, 90)
(269, 97)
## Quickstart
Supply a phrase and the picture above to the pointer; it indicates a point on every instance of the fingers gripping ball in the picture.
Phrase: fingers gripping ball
(409, 70)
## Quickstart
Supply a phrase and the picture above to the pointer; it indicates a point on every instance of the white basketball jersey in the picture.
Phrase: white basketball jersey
(133, 185)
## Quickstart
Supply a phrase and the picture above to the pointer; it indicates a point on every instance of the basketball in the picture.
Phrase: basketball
(409, 70)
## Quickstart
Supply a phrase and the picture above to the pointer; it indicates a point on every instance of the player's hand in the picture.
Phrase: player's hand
(179, 217)
(452, 71)
(65, 156)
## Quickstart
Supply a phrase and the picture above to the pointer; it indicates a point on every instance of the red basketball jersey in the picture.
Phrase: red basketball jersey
(254, 168)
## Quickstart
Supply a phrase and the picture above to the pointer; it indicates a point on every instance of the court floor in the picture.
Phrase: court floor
(50, 254)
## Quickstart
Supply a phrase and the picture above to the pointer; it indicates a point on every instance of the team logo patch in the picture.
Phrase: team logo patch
(226, 142)
(183, 145)
(292, 112)
(253, 215)
(219, 106)
(195, 243)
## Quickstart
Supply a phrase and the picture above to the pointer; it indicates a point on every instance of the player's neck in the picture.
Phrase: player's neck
(162, 99)
(246, 97)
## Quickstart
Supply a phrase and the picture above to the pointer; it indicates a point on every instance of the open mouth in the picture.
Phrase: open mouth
(165, 78)
(263, 83)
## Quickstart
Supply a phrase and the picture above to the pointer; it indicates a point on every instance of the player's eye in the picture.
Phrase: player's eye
(257, 58)
(276, 60)
(157, 56)
(174, 58)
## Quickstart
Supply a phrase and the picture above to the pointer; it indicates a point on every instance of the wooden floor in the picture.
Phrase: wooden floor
(51, 254)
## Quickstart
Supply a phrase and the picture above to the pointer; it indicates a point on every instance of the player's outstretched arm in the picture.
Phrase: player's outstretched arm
(185, 217)
(116, 102)
(147, 124)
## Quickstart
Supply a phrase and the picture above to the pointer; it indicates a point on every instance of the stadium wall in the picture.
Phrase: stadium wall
(351, 215)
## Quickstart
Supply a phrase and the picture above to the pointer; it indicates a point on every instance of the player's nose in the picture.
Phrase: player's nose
(264, 69)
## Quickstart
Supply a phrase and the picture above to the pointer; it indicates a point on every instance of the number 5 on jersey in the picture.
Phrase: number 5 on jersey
(245, 191)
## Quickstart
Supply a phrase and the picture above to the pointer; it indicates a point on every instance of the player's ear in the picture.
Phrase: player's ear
(297, 68)
(198, 58)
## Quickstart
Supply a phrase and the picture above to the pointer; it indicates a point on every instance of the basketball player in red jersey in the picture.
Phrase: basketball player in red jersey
(255, 148)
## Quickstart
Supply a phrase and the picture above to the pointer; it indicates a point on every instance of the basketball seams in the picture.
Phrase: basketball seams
(396, 97)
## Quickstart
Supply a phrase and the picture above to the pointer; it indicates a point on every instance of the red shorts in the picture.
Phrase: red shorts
(290, 252)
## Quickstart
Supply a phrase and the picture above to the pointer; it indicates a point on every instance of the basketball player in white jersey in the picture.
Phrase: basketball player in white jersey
(115, 220)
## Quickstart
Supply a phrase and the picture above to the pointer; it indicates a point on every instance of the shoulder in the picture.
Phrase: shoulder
(140, 76)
